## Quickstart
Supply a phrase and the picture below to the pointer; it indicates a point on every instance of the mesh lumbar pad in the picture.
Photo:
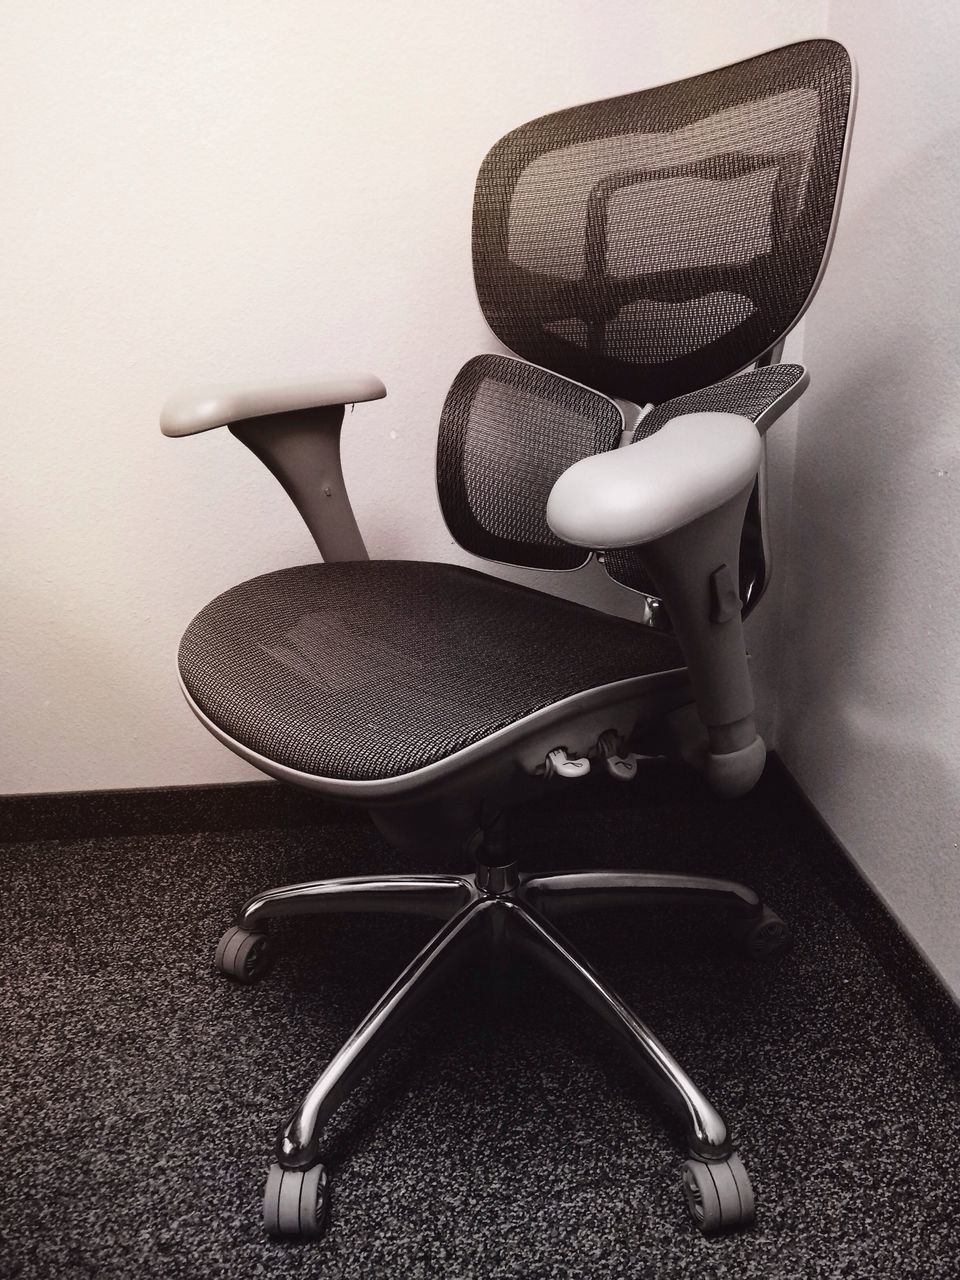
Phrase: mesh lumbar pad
(507, 432)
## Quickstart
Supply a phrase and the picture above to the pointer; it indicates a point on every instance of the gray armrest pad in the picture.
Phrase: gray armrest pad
(630, 496)
(218, 404)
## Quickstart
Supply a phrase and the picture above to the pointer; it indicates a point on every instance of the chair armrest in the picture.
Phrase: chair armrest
(634, 495)
(682, 494)
(218, 404)
(294, 429)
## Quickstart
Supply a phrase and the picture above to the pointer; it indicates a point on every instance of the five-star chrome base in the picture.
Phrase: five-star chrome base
(496, 908)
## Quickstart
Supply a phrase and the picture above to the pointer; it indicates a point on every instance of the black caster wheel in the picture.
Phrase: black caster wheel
(764, 935)
(718, 1194)
(244, 955)
(296, 1201)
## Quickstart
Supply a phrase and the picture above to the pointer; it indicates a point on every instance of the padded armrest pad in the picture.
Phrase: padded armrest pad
(218, 404)
(630, 496)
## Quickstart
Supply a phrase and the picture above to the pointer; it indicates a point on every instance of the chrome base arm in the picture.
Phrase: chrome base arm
(571, 891)
(437, 896)
(298, 1143)
(707, 1133)
(441, 896)
(495, 909)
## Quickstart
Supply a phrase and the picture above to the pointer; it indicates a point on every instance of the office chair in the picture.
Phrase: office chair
(635, 255)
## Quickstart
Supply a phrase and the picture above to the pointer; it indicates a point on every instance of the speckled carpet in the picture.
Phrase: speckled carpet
(505, 1135)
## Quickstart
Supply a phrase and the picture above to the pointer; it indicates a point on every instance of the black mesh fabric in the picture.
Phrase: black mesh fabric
(654, 243)
(508, 430)
(752, 394)
(370, 669)
(648, 246)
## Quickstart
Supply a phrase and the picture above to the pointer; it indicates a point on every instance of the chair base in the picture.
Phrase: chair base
(497, 909)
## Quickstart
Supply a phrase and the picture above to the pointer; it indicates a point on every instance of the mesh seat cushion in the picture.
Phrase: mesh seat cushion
(369, 670)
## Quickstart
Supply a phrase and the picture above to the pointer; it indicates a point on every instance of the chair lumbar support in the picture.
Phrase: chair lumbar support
(495, 908)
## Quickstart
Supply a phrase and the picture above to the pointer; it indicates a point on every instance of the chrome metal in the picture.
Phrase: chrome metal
(437, 896)
(442, 895)
(298, 1143)
(570, 891)
(494, 908)
(496, 882)
(707, 1133)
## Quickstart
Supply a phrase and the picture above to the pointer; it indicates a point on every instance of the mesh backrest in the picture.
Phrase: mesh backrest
(654, 243)
(507, 432)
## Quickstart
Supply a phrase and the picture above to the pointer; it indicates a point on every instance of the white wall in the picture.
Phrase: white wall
(870, 691)
(241, 188)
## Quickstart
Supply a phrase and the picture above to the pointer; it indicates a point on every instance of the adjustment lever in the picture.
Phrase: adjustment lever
(622, 768)
(559, 764)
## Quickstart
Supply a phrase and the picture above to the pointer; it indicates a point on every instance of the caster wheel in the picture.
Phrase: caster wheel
(718, 1194)
(765, 935)
(296, 1201)
(244, 955)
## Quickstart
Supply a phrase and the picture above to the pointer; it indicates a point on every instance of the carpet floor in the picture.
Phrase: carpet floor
(505, 1135)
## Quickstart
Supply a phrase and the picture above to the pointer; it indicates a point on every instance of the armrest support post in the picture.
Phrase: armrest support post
(302, 449)
(680, 497)
(696, 569)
